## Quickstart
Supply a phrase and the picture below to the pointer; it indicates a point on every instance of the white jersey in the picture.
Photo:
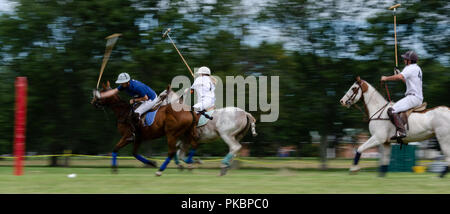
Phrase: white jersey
(413, 78)
(205, 91)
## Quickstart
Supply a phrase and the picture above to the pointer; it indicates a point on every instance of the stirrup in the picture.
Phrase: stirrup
(399, 134)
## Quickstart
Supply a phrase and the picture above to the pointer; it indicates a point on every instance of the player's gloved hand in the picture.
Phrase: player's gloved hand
(96, 94)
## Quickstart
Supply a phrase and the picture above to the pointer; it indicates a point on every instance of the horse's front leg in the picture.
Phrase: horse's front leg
(373, 141)
(122, 142)
(385, 159)
(181, 151)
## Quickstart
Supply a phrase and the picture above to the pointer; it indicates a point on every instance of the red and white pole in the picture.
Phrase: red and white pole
(20, 124)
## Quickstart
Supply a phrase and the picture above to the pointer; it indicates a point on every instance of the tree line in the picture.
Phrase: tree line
(315, 50)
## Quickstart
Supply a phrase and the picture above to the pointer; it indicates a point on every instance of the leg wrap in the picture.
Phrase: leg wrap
(164, 165)
(189, 158)
(444, 172)
(142, 159)
(226, 160)
(114, 159)
(356, 160)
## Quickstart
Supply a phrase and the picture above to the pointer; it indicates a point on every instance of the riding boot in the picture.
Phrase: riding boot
(398, 122)
(135, 127)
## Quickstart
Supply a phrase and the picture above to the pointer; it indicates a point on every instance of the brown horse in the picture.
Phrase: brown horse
(167, 122)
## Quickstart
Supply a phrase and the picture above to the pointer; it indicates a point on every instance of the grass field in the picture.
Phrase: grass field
(294, 179)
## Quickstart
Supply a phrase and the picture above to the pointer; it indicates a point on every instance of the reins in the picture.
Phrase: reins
(366, 111)
(120, 118)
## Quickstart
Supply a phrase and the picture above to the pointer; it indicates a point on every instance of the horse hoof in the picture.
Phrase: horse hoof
(354, 170)
(198, 161)
(180, 167)
(158, 173)
(190, 167)
(114, 171)
(223, 171)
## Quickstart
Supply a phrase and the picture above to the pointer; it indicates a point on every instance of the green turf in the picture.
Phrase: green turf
(143, 180)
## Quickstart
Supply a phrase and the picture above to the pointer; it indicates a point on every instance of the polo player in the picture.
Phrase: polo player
(412, 76)
(204, 85)
(144, 94)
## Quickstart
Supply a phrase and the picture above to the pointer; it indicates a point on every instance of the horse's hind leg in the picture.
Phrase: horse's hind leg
(181, 153)
(194, 146)
(234, 148)
(443, 137)
(141, 158)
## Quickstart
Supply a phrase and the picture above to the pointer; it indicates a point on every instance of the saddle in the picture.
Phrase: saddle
(148, 117)
(405, 115)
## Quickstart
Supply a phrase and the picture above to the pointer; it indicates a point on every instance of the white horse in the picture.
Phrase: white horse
(422, 125)
(231, 124)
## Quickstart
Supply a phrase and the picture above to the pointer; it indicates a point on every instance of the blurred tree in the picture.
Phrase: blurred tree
(319, 48)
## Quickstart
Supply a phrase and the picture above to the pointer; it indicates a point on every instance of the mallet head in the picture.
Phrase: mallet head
(394, 7)
(166, 33)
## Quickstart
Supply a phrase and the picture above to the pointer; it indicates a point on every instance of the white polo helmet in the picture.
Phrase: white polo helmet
(123, 78)
(204, 70)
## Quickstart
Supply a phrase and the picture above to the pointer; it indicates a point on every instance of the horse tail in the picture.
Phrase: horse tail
(252, 123)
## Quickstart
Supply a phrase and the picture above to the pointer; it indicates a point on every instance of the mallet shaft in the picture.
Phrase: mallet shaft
(394, 7)
(395, 38)
(110, 42)
(181, 55)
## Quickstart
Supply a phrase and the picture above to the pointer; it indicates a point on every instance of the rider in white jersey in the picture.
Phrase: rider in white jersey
(412, 76)
(204, 85)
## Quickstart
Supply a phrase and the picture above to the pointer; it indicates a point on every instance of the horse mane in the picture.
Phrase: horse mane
(374, 90)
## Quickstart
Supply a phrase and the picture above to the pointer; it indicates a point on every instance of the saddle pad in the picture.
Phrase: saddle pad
(405, 115)
(150, 117)
(203, 120)
(422, 107)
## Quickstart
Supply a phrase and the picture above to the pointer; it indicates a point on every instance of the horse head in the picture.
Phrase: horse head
(168, 96)
(354, 93)
(102, 102)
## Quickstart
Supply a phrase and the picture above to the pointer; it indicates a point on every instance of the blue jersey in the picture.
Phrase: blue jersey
(138, 88)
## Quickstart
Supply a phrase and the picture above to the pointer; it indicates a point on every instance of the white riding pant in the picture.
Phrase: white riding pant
(406, 103)
(204, 104)
(145, 106)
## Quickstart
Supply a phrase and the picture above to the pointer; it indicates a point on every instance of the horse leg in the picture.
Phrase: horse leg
(171, 141)
(443, 137)
(373, 141)
(234, 148)
(180, 154)
(385, 159)
(147, 162)
(194, 146)
(122, 142)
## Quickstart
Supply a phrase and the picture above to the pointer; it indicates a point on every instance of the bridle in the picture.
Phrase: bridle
(122, 117)
(366, 112)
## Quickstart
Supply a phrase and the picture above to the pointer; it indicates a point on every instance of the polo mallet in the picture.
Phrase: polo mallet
(166, 34)
(394, 8)
(110, 42)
